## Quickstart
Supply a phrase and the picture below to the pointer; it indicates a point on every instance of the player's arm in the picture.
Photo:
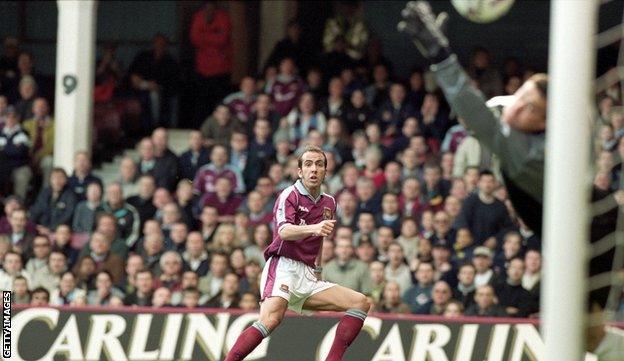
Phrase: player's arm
(290, 232)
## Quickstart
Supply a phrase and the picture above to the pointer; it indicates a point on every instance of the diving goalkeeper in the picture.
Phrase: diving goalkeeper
(518, 138)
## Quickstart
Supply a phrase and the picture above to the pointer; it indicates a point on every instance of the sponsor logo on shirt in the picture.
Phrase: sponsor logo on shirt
(303, 209)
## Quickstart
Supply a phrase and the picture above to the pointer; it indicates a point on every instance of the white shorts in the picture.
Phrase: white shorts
(291, 280)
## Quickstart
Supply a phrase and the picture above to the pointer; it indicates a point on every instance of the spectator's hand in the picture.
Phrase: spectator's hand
(325, 228)
(619, 197)
(43, 230)
(512, 310)
(490, 243)
(413, 264)
(426, 31)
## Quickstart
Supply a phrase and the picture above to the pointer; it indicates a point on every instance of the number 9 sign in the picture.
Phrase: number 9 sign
(70, 82)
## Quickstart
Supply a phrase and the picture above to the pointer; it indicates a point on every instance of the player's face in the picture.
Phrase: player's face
(312, 170)
(527, 113)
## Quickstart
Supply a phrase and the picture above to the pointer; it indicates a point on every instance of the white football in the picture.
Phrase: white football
(482, 11)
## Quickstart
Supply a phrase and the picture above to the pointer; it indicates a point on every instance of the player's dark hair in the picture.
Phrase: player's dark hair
(541, 82)
(312, 149)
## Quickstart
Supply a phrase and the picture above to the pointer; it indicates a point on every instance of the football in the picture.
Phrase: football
(482, 11)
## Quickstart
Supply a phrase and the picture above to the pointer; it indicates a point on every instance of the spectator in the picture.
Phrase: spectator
(396, 270)
(345, 214)
(346, 270)
(12, 268)
(258, 214)
(205, 180)
(209, 223)
(152, 249)
(391, 301)
(483, 214)
(470, 153)
(134, 264)
(20, 237)
(369, 200)
(261, 144)
(482, 260)
(291, 46)
(358, 111)
(464, 246)
(128, 174)
(261, 238)
(20, 294)
(160, 168)
(419, 295)
(108, 72)
(143, 201)
(366, 231)
(105, 260)
(408, 238)
(61, 242)
(454, 309)
(440, 298)
(128, 219)
(248, 302)
(49, 275)
(441, 255)
(488, 79)
(8, 60)
(161, 298)
(36, 264)
(195, 157)
(55, 204)
(393, 112)
(286, 89)
(531, 280)
(512, 248)
(171, 271)
(154, 76)
(211, 284)
(67, 292)
(106, 224)
(39, 297)
(190, 298)
(165, 159)
(390, 216)
(189, 280)
(177, 237)
(303, 119)
(27, 90)
(263, 109)
(142, 295)
(195, 255)
(511, 295)
(15, 147)
(378, 280)
(433, 121)
(82, 175)
(241, 102)
(250, 282)
(334, 105)
(84, 271)
(104, 290)
(465, 290)
(228, 296)
(40, 128)
(485, 303)
(84, 215)
(246, 162)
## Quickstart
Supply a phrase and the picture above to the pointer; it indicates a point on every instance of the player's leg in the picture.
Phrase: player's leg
(272, 308)
(271, 314)
(339, 298)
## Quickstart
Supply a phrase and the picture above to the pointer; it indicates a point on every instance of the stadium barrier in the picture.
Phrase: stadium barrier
(118, 334)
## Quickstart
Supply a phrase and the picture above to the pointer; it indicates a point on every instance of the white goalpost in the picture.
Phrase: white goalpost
(566, 195)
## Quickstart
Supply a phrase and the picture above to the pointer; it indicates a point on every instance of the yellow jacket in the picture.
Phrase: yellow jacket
(48, 138)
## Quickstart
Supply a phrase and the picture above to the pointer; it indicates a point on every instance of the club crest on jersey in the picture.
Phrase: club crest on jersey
(327, 213)
(304, 209)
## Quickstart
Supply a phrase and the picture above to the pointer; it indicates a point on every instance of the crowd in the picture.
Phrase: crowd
(424, 225)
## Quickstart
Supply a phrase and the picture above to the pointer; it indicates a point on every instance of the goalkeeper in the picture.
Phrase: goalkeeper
(518, 138)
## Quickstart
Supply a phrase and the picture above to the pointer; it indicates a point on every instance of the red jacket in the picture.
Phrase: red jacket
(212, 41)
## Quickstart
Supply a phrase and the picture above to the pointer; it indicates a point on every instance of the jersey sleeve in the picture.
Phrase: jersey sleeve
(285, 209)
